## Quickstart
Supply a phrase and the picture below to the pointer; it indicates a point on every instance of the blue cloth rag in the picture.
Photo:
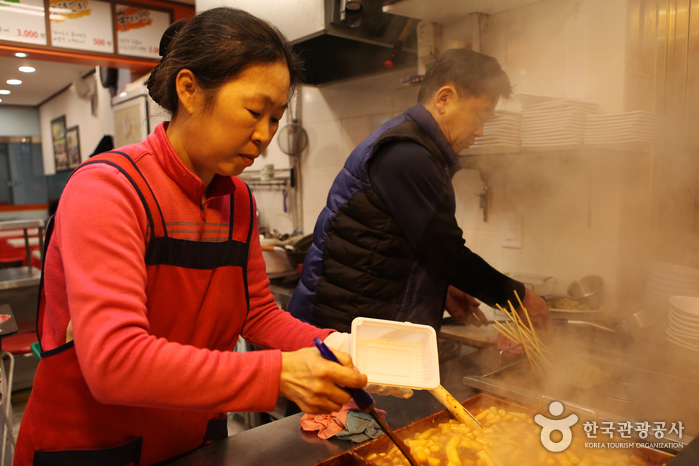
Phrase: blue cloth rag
(360, 427)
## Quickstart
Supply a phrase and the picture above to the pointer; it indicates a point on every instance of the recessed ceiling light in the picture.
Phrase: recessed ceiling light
(27, 69)
(14, 82)
(0, 100)
(20, 54)
(4, 92)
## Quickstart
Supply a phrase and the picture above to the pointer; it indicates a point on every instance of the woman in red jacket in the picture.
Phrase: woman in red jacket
(153, 268)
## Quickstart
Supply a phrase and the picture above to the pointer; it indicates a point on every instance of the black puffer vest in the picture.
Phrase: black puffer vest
(360, 263)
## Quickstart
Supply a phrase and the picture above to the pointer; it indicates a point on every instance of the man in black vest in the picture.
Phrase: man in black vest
(388, 245)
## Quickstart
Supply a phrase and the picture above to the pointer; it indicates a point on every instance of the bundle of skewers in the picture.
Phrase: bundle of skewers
(525, 336)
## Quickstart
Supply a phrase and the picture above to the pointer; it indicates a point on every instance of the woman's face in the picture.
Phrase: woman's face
(228, 137)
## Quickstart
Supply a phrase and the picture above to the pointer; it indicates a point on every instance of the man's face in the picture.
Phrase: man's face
(462, 118)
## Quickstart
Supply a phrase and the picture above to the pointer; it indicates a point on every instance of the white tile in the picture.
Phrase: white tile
(467, 183)
(486, 245)
(327, 145)
(405, 98)
(468, 213)
(551, 192)
(319, 104)
(316, 184)
(371, 101)
(359, 128)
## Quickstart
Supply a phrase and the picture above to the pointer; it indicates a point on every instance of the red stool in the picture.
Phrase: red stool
(19, 343)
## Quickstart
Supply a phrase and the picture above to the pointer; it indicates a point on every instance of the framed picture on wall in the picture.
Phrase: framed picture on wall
(73, 146)
(131, 120)
(60, 150)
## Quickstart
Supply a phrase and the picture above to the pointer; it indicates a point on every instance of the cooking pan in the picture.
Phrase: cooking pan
(297, 252)
(282, 260)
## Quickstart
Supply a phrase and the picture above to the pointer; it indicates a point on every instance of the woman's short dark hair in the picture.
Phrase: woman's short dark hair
(472, 73)
(217, 45)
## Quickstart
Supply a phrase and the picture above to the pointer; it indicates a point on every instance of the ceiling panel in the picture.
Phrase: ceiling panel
(451, 11)
(49, 78)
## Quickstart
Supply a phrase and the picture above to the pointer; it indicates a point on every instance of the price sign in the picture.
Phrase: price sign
(139, 30)
(82, 25)
(23, 21)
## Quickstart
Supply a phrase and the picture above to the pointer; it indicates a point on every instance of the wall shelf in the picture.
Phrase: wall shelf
(505, 149)
(281, 178)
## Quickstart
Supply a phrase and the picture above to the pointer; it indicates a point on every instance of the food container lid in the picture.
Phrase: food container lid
(399, 354)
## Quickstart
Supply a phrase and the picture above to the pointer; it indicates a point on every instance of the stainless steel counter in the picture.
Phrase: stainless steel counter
(283, 442)
(283, 289)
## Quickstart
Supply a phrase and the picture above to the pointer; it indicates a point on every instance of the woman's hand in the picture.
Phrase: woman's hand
(464, 308)
(538, 310)
(313, 383)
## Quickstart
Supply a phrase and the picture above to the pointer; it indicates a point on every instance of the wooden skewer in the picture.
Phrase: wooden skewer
(518, 326)
(539, 345)
(504, 331)
(513, 337)
(515, 332)
(530, 323)
(528, 332)
(532, 346)
(462, 414)
(532, 341)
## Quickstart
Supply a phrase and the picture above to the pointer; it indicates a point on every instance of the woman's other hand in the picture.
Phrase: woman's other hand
(464, 308)
(313, 383)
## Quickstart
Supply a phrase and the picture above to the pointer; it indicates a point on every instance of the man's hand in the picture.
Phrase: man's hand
(464, 309)
(538, 311)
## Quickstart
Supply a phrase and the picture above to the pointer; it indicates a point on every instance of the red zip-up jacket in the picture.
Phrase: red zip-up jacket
(95, 277)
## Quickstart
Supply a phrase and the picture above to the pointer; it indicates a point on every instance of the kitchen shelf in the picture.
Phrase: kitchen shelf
(449, 12)
(282, 177)
(511, 149)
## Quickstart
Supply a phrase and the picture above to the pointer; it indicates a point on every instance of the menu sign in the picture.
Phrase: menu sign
(82, 25)
(23, 21)
(139, 30)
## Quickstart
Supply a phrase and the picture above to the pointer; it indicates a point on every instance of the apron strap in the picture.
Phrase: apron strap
(122, 455)
(134, 175)
(150, 204)
(39, 321)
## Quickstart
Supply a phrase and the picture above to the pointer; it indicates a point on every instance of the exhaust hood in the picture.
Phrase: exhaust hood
(356, 40)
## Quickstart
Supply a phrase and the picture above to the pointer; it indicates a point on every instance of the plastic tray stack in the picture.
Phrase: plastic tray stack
(665, 280)
(683, 323)
(503, 129)
(555, 123)
(631, 127)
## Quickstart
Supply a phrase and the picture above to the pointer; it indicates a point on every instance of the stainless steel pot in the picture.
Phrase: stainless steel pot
(283, 257)
(588, 290)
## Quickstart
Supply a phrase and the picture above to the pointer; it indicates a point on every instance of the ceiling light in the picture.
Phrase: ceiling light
(4, 92)
(20, 54)
(14, 82)
(27, 69)
(0, 100)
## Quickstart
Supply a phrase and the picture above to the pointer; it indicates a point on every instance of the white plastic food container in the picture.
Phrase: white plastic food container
(397, 354)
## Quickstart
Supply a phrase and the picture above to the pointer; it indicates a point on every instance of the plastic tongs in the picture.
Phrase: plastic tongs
(366, 403)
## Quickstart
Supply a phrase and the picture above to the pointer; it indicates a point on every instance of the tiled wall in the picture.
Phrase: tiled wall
(337, 118)
(583, 212)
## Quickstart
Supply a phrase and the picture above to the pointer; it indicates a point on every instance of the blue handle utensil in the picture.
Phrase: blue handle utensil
(366, 403)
